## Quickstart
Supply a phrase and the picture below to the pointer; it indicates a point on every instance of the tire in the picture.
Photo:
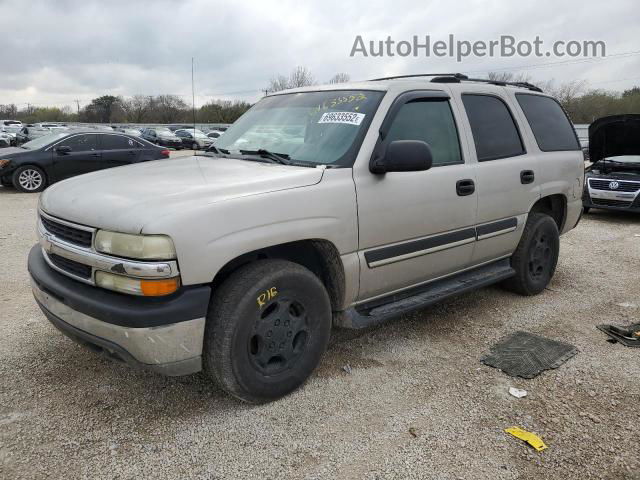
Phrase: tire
(194, 146)
(536, 256)
(585, 210)
(259, 346)
(29, 179)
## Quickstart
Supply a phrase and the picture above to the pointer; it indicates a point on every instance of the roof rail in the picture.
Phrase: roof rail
(419, 75)
(526, 85)
(458, 77)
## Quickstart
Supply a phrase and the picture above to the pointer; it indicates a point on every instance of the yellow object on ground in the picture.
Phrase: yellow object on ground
(531, 438)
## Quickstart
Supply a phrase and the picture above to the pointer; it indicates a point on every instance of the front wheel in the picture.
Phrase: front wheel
(586, 210)
(194, 146)
(29, 179)
(268, 325)
(536, 256)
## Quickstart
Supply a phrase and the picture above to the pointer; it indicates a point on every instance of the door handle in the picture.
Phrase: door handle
(95, 154)
(465, 187)
(132, 152)
(527, 176)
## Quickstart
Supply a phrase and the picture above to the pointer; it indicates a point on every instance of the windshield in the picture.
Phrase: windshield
(313, 127)
(163, 131)
(43, 141)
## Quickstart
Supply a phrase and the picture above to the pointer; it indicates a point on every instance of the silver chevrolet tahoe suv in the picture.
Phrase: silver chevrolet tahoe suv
(332, 206)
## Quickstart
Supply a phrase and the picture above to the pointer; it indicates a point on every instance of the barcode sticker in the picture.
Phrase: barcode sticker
(349, 118)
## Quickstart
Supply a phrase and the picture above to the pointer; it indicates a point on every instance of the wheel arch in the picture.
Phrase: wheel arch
(320, 256)
(553, 205)
(42, 168)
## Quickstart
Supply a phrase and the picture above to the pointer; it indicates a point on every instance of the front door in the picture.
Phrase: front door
(416, 226)
(83, 156)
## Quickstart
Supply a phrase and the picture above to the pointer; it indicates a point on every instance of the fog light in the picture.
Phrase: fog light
(136, 286)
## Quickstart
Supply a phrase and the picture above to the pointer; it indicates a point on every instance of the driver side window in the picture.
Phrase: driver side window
(431, 122)
(80, 143)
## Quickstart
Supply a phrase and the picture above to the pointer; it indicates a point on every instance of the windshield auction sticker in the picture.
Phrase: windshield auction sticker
(349, 118)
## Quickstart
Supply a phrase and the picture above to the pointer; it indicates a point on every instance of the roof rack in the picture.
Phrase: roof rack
(458, 77)
(419, 75)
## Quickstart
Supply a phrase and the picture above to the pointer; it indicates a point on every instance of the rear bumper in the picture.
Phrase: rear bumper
(169, 143)
(165, 335)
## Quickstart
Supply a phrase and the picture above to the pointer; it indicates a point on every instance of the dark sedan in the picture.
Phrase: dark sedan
(40, 162)
(162, 136)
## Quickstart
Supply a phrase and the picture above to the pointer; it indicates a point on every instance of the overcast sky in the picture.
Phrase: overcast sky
(53, 52)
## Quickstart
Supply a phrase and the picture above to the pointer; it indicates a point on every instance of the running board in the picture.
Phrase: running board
(374, 313)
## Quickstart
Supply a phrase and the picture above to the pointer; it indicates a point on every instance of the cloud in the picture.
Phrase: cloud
(56, 52)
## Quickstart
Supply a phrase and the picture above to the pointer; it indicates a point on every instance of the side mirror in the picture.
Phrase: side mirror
(403, 156)
(63, 150)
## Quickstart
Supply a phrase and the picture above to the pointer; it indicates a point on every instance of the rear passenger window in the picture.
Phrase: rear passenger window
(549, 123)
(432, 122)
(117, 142)
(494, 130)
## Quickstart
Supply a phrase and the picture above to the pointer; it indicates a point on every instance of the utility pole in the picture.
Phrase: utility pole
(78, 104)
(193, 100)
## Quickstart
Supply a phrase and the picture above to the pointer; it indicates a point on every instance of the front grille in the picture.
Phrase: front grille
(70, 266)
(65, 232)
(610, 203)
(622, 185)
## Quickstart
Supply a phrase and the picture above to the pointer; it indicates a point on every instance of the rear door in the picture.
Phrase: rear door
(118, 150)
(83, 157)
(507, 182)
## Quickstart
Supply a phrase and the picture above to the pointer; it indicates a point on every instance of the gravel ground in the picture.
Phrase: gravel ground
(417, 403)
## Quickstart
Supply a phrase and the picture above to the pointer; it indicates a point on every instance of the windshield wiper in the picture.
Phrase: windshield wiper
(214, 149)
(281, 158)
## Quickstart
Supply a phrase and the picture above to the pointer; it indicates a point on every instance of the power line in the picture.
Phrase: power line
(564, 62)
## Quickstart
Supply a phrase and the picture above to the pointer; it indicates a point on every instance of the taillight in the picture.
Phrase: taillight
(164, 153)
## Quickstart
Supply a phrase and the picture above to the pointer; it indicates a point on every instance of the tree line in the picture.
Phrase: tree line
(582, 104)
(138, 109)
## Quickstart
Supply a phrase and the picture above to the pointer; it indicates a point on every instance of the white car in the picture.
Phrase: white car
(194, 139)
(5, 140)
(215, 134)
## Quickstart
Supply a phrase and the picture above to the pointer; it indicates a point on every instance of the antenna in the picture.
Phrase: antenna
(193, 99)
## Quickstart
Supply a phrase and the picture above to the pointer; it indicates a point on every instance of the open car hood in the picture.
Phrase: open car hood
(614, 136)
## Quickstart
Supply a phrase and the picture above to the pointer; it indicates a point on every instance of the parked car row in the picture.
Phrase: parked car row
(15, 133)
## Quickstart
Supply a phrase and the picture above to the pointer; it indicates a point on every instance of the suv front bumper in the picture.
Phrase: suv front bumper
(160, 334)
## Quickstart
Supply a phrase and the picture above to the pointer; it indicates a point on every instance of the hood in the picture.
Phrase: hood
(12, 152)
(125, 198)
(614, 136)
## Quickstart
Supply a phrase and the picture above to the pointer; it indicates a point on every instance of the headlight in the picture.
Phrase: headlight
(141, 247)
(136, 286)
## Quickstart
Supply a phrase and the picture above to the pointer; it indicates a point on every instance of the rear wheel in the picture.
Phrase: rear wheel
(268, 325)
(29, 179)
(536, 257)
(194, 146)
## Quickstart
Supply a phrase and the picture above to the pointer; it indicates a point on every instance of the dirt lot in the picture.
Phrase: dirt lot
(65, 413)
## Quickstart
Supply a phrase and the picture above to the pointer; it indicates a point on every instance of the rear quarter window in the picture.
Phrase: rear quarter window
(551, 127)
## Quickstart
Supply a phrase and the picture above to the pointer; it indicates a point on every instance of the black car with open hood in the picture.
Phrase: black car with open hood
(613, 180)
